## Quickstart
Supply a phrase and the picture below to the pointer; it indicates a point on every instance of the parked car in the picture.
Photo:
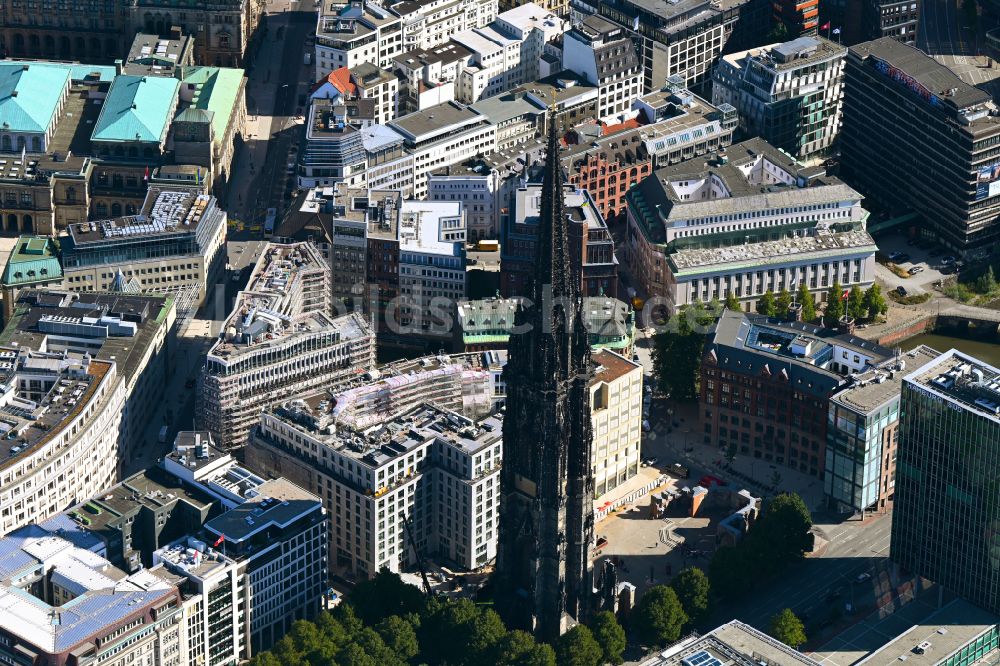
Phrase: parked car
(863, 577)
(947, 260)
(915, 270)
(901, 290)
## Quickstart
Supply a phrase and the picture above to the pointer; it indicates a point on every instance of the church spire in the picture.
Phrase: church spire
(552, 260)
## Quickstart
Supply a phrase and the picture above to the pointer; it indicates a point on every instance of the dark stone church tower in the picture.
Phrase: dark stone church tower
(544, 577)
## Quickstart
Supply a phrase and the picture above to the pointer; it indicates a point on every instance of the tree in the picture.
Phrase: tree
(766, 304)
(610, 636)
(399, 635)
(578, 647)
(783, 302)
(446, 630)
(692, 588)
(732, 303)
(775, 479)
(728, 572)
(805, 298)
(834, 304)
(731, 452)
(987, 282)
(856, 304)
(677, 352)
(875, 302)
(784, 527)
(518, 648)
(788, 629)
(659, 616)
(485, 632)
(383, 595)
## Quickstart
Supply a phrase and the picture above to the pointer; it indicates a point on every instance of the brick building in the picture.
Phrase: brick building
(766, 387)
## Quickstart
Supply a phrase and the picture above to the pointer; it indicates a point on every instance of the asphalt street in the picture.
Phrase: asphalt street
(941, 30)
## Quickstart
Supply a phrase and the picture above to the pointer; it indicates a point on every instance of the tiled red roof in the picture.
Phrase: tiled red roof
(340, 79)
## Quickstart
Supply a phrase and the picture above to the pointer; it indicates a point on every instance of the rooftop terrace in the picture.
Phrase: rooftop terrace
(794, 248)
(164, 211)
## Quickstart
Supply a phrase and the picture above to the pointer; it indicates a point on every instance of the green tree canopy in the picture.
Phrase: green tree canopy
(692, 588)
(732, 303)
(783, 302)
(518, 648)
(610, 636)
(766, 304)
(856, 304)
(677, 351)
(577, 647)
(808, 302)
(400, 636)
(788, 629)
(875, 303)
(834, 304)
(659, 616)
(383, 595)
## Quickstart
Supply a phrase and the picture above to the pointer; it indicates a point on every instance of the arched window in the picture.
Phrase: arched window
(101, 209)
(11, 222)
(133, 151)
(36, 144)
(5, 143)
(20, 142)
(28, 224)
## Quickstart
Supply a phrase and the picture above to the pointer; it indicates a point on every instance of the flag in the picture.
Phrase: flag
(635, 23)
(24, 151)
(219, 541)
(145, 176)
(844, 296)
(836, 31)
(825, 26)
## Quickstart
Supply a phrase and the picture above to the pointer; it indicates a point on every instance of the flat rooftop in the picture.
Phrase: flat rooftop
(794, 248)
(801, 52)
(963, 380)
(157, 56)
(938, 80)
(438, 120)
(735, 644)
(277, 503)
(421, 227)
(942, 634)
(874, 388)
(164, 211)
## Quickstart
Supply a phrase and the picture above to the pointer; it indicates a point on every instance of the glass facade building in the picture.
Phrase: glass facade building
(946, 518)
(856, 444)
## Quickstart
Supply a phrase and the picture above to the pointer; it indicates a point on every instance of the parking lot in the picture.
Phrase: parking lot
(925, 259)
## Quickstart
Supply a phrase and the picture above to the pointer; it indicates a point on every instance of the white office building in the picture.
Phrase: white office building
(432, 468)
(748, 221)
(770, 87)
(430, 23)
(355, 33)
(476, 185)
(604, 55)
(279, 339)
(535, 28)
(441, 135)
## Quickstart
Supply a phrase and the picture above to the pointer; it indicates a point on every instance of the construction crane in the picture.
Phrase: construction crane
(416, 551)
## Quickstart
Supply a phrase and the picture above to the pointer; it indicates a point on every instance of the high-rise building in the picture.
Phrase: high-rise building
(544, 569)
(790, 94)
(916, 138)
(946, 515)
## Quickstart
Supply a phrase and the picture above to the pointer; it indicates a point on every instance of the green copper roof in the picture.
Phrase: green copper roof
(33, 259)
(77, 71)
(137, 108)
(216, 89)
(29, 95)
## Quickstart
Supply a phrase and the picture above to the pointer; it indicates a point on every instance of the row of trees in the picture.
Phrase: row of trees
(859, 305)
(389, 623)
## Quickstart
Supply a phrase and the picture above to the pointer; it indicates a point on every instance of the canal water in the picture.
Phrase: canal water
(984, 351)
